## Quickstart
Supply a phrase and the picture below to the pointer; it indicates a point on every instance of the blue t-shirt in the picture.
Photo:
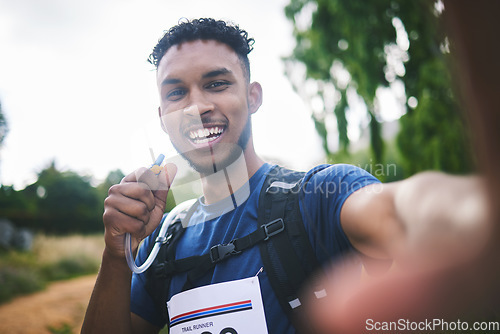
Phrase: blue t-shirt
(327, 187)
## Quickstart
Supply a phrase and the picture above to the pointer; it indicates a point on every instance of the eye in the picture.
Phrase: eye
(218, 85)
(175, 94)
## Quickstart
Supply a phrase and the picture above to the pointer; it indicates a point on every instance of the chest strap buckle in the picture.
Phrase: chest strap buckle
(219, 252)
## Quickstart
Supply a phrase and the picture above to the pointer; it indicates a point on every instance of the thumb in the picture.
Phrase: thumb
(166, 177)
(170, 170)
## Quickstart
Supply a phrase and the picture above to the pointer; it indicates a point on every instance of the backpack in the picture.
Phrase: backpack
(286, 252)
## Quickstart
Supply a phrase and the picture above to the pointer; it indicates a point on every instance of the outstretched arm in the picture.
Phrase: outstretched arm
(433, 225)
(428, 214)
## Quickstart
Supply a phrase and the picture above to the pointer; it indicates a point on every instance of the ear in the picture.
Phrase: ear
(254, 97)
(161, 120)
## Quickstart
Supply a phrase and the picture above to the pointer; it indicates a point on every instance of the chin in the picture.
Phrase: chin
(209, 162)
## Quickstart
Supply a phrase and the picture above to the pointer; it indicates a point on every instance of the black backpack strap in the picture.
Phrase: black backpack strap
(288, 258)
(197, 266)
(157, 276)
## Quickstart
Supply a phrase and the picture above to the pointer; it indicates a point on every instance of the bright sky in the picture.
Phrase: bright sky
(75, 85)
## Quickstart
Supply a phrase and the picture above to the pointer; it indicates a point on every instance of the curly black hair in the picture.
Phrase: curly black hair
(205, 29)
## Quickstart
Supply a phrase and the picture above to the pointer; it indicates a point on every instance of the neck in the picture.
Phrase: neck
(225, 182)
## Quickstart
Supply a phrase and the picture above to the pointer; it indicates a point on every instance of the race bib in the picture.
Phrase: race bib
(233, 307)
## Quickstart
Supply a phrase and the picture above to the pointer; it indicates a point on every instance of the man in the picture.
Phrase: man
(206, 102)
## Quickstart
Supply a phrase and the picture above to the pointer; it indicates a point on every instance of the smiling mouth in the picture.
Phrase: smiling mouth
(205, 135)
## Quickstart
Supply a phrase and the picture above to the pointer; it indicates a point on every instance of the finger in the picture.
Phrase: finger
(132, 177)
(166, 176)
(148, 177)
(134, 191)
(170, 170)
(118, 223)
(156, 181)
(131, 207)
(145, 177)
(160, 196)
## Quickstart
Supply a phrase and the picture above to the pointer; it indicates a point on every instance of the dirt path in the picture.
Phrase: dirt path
(61, 305)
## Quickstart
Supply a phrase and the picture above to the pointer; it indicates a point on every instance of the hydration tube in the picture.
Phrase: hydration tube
(166, 221)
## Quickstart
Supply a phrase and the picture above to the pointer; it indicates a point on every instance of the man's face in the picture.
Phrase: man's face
(204, 103)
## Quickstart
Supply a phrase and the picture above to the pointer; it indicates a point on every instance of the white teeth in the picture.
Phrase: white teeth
(202, 141)
(200, 136)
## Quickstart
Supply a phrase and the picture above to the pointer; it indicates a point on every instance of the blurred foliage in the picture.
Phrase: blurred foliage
(69, 267)
(15, 280)
(3, 126)
(389, 171)
(66, 202)
(345, 46)
(61, 329)
(52, 258)
(59, 202)
(62, 202)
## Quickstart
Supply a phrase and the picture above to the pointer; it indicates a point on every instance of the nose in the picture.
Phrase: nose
(199, 104)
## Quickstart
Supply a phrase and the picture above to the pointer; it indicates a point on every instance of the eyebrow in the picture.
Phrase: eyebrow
(210, 74)
(170, 81)
(217, 72)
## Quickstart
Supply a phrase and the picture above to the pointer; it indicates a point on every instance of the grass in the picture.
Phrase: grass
(62, 329)
(66, 257)
(52, 258)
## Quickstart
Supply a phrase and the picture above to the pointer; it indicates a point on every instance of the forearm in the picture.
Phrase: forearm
(109, 306)
(136, 206)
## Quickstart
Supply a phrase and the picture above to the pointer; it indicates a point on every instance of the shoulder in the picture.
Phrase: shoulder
(323, 193)
(338, 170)
(337, 179)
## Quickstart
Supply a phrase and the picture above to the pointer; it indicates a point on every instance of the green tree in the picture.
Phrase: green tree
(67, 202)
(113, 177)
(57, 203)
(3, 126)
(18, 206)
(360, 46)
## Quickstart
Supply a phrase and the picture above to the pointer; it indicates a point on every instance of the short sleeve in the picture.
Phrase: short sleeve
(325, 190)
